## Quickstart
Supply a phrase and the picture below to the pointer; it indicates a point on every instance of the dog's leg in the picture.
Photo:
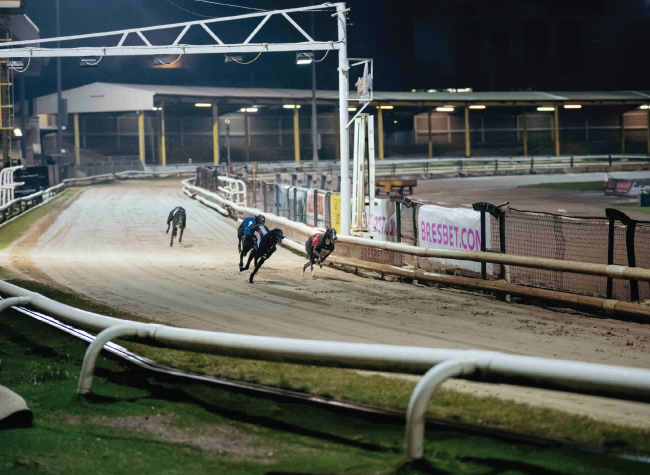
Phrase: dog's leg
(257, 267)
(181, 238)
(168, 226)
(171, 243)
(248, 264)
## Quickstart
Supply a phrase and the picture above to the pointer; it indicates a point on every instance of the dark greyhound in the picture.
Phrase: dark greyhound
(318, 248)
(262, 244)
(176, 220)
(245, 227)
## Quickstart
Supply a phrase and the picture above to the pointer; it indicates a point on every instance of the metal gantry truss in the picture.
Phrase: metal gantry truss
(34, 49)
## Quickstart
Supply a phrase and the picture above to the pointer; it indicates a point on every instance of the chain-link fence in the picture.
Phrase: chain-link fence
(598, 240)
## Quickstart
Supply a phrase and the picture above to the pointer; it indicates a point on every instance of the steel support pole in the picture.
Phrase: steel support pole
(467, 137)
(343, 120)
(141, 136)
(380, 133)
(296, 135)
(247, 137)
(430, 133)
(215, 132)
(557, 130)
(314, 112)
(24, 112)
(163, 145)
(77, 151)
(59, 119)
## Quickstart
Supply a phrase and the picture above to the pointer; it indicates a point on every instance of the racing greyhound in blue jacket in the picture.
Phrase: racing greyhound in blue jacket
(246, 226)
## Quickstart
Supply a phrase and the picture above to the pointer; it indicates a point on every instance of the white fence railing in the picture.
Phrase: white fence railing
(436, 364)
(233, 189)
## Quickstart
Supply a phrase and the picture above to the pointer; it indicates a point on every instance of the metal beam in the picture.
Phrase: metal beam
(30, 48)
(525, 121)
(430, 133)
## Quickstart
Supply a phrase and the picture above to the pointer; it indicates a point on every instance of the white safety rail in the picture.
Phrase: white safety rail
(7, 184)
(572, 376)
(234, 190)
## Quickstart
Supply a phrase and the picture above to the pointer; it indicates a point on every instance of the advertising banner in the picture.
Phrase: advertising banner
(321, 208)
(453, 228)
(335, 210)
(385, 220)
(627, 187)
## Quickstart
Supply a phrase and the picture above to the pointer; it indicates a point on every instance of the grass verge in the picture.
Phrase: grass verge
(377, 390)
(136, 423)
(573, 186)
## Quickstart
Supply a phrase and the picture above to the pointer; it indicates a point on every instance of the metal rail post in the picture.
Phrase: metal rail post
(315, 208)
(630, 230)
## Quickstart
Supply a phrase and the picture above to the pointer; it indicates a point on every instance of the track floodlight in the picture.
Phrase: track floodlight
(161, 61)
(89, 62)
(16, 63)
(304, 58)
(234, 58)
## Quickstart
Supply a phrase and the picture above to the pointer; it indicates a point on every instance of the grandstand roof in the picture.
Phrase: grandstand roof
(110, 97)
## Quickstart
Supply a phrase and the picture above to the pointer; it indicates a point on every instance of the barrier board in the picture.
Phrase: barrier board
(453, 228)
(320, 211)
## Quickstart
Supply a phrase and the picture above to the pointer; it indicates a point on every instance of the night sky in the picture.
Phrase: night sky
(489, 45)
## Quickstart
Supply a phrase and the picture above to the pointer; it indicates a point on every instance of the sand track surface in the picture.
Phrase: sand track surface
(110, 244)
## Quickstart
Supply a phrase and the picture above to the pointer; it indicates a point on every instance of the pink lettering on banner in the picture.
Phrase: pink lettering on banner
(478, 240)
(471, 241)
(462, 237)
(433, 233)
(456, 234)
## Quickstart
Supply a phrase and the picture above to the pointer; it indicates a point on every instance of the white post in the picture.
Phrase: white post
(371, 173)
(344, 86)
(355, 176)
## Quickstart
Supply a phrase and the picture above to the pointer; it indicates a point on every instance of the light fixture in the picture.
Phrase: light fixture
(445, 109)
(545, 109)
(572, 106)
(291, 106)
(645, 106)
(18, 132)
(249, 109)
(386, 107)
(16, 63)
(414, 90)
(394, 122)
(304, 57)
(432, 90)
(161, 61)
(352, 109)
(477, 106)
(234, 58)
(89, 62)
(202, 104)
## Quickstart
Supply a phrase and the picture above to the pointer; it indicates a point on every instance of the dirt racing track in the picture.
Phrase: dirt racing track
(109, 243)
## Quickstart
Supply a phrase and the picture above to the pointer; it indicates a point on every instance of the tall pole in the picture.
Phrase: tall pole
(314, 113)
(59, 119)
(344, 86)
(23, 119)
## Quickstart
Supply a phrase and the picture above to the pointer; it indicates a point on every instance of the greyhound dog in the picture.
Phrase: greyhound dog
(245, 227)
(176, 220)
(262, 244)
(318, 248)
